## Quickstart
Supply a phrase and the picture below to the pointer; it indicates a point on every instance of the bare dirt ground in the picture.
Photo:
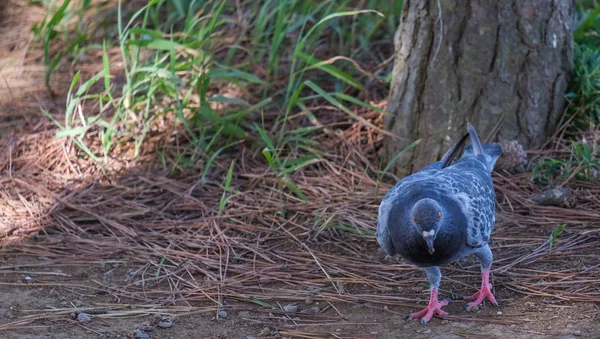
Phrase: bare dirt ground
(141, 253)
(517, 317)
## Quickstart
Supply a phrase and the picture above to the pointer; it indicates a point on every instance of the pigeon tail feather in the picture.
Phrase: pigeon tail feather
(491, 152)
(453, 152)
(474, 140)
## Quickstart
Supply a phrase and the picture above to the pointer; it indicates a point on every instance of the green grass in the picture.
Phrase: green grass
(581, 161)
(554, 235)
(585, 85)
(54, 27)
(226, 188)
(175, 51)
(582, 164)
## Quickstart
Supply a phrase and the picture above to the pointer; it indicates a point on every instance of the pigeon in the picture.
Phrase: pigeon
(442, 213)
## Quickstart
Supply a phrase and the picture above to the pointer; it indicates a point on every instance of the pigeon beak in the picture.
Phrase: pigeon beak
(429, 241)
(429, 237)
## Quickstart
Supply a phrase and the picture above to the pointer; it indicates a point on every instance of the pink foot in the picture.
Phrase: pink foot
(484, 292)
(434, 307)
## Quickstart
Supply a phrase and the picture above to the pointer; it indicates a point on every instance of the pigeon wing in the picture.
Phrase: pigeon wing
(470, 184)
(467, 181)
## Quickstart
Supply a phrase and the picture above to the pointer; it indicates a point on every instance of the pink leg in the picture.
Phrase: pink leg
(484, 292)
(434, 307)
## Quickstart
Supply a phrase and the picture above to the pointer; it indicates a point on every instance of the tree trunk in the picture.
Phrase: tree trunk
(503, 65)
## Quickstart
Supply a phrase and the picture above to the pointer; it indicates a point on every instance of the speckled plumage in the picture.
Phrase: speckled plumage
(463, 192)
(466, 186)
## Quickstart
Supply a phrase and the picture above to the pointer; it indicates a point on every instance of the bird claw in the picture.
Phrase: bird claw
(479, 297)
(434, 308)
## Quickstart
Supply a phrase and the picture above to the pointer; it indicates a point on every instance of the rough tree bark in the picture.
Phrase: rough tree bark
(503, 65)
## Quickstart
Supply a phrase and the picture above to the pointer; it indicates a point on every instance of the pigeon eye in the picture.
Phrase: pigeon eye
(414, 219)
(439, 216)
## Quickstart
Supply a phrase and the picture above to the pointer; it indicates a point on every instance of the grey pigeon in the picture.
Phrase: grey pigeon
(442, 213)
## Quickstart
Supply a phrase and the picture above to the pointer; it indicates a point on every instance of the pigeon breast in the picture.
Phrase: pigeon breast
(463, 189)
(450, 241)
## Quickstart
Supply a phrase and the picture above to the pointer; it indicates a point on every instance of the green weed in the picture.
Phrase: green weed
(582, 164)
(585, 85)
(188, 55)
(554, 235)
(584, 104)
(49, 30)
(226, 188)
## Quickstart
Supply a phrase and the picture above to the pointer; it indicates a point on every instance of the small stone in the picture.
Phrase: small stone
(290, 308)
(223, 314)
(308, 300)
(499, 313)
(385, 308)
(427, 331)
(141, 335)
(570, 326)
(28, 279)
(83, 317)
(338, 330)
(549, 327)
(577, 333)
(165, 324)
(513, 326)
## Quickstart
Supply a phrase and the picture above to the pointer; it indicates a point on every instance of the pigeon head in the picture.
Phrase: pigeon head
(427, 216)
